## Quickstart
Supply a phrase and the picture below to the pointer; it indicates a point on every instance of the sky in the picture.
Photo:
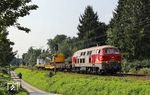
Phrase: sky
(55, 17)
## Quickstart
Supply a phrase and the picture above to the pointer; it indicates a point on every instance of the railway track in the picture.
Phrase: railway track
(137, 76)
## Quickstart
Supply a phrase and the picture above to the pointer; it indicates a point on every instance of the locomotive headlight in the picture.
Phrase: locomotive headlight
(101, 58)
(106, 61)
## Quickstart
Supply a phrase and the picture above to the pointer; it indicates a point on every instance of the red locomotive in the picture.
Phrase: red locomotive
(97, 59)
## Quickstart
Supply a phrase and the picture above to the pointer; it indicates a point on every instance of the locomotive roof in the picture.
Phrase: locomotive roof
(97, 47)
(94, 48)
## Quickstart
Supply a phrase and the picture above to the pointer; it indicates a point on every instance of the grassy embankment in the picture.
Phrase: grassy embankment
(78, 84)
(4, 79)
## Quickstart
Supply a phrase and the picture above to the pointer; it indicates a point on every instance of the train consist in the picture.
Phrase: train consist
(97, 59)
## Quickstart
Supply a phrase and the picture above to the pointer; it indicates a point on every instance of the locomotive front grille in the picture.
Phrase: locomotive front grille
(111, 66)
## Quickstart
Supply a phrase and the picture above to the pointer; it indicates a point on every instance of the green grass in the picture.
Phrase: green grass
(79, 84)
(22, 92)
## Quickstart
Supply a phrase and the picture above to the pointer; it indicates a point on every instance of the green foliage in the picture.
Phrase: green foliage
(29, 58)
(50, 74)
(78, 84)
(91, 33)
(144, 71)
(4, 71)
(129, 29)
(65, 45)
(13, 68)
(135, 65)
(10, 11)
(5, 48)
(4, 78)
(3, 91)
(132, 71)
(22, 92)
(58, 40)
(90, 28)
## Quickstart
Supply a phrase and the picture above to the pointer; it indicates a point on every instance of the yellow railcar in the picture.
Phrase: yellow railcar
(48, 66)
(59, 58)
(40, 66)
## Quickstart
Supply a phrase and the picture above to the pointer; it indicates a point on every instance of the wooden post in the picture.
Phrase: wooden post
(54, 65)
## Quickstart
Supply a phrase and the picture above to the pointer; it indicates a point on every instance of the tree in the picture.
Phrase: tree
(66, 45)
(10, 11)
(115, 33)
(129, 29)
(90, 29)
(6, 54)
(31, 56)
(143, 17)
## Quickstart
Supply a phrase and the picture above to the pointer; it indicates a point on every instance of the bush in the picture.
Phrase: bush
(22, 92)
(3, 91)
(3, 84)
(128, 66)
(50, 74)
(4, 71)
(132, 71)
(13, 68)
(144, 71)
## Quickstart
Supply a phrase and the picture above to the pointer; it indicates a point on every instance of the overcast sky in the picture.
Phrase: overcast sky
(56, 17)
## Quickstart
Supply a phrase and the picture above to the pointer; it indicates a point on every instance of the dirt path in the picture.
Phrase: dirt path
(32, 90)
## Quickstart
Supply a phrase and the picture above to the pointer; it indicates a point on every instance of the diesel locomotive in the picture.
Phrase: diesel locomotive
(97, 59)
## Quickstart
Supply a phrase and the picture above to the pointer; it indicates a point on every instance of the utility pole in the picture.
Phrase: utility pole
(55, 55)
(54, 65)
(18, 61)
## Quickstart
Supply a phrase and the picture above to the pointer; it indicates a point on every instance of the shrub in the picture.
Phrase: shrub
(144, 71)
(4, 71)
(22, 92)
(3, 91)
(128, 66)
(50, 74)
(132, 71)
(13, 68)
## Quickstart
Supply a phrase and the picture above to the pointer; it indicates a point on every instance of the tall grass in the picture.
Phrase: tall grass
(78, 84)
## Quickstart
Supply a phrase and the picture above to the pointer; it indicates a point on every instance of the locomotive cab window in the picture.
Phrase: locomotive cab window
(116, 51)
(111, 51)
